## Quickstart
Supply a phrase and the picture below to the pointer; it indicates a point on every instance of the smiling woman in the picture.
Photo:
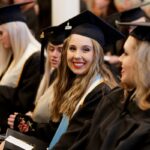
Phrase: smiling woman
(122, 118)
(83, 78)
(128, 60)
(80, 55)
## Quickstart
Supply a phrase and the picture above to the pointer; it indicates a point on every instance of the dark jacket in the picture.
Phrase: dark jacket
(117, 125)
(82, 116)
(21, 98)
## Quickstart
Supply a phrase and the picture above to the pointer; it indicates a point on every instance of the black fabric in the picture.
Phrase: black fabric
(37, 144)
(117, 125)
(42, 131)
(54, 34)
(82, 117)
(45, 131)
(89, 25)
(141, 33)
(20, 99)
(132, 14)
(11, 13)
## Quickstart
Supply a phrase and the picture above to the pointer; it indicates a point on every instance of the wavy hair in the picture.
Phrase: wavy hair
(69, 88)
(142, 76)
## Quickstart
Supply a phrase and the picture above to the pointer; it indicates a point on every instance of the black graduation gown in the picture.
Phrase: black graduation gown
(82, 116)
(21, 99)
(45, 131)
(117, 126)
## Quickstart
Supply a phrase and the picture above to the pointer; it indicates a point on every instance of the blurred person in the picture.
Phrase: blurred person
(31, 12)
(52, 42)
(19, 63)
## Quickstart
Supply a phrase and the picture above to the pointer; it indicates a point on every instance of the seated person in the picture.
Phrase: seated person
(121, 121)
(53, 41)
(83, 78)
(19, 64)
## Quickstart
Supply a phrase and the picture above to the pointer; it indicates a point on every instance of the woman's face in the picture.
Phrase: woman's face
(54, 54)
(128, 62)
(80, 54)
(4, 38)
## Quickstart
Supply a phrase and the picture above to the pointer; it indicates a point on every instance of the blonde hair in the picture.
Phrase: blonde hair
(69, 88)
(142, 76)
(20, 36)
(44, 84)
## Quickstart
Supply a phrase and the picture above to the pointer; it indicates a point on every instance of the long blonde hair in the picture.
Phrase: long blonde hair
(44, 84)
(142, 76)
(69, 88)
(20, 37)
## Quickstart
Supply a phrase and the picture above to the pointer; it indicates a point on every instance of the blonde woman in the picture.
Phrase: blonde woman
(19, 63)
(83, 78)
(122, 120)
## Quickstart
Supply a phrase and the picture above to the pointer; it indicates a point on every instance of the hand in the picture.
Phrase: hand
(2, 145)
(11, 120)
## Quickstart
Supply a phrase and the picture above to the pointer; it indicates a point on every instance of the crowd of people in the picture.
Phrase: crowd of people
(85, 85)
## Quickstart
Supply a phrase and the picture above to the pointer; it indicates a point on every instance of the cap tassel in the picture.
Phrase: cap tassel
(42, 59)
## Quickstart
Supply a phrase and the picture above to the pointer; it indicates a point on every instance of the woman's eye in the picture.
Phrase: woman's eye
(72, 48)
(50, 48)
(86, 49)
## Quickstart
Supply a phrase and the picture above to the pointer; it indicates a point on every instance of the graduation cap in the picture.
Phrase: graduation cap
(12, 12)
(89, 25)
(52, 34)
(142, 30)
(133, 13)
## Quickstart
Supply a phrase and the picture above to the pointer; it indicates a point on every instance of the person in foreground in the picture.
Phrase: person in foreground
(122, 118)
(85, 79)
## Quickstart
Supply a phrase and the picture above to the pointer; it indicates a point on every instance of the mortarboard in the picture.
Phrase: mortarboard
(129, 15)
(133, 13)
(87, 24)
(12, 12)
(52, 34)
(142, 30)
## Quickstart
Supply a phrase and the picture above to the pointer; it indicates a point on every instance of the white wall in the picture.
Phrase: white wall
(63, 10)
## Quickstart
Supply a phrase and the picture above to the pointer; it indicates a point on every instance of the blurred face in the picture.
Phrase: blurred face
(101, 3)
(80, 54)
(4, 38)
(54, 54)
(128, 62)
